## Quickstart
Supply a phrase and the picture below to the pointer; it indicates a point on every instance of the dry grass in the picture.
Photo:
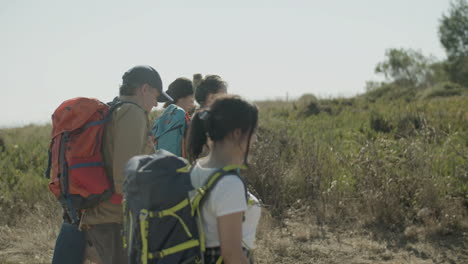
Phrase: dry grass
(298, 239)
(32, 239)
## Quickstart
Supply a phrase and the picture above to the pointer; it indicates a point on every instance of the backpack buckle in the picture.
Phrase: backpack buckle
(155, 255)
(143, 214)
(201, 191)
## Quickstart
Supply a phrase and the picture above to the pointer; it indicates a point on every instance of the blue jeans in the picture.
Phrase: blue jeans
(70, 245)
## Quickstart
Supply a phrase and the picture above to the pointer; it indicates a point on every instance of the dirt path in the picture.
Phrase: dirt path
(295, 242)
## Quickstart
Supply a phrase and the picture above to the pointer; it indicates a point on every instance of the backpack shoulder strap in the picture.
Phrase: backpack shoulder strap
(165, 113)
(215, 178)
(169, 130)
(116, 103)
(176, 126)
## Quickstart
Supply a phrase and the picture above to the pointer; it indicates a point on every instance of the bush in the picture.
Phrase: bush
(444, 89)
(374, 164)
(307, 105)
(306, 99)
(391, 92)
(408, 125)
(395, 179)
(2, 145)
(22, 167)
(379, 124)
(268, 167)
(312, 108)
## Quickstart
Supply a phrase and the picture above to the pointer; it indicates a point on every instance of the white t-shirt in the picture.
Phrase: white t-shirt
(227, 197)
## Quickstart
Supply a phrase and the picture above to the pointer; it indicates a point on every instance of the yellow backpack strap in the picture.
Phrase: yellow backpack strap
(178, 248)
(172, 212)
(144, 235)
(185, 169)
(201, 192)
(224, 171)
(202, 232)
(234, 167)
(125, 231)
(211, 182)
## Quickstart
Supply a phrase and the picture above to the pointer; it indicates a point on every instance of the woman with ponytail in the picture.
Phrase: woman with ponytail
(169, 128)
(208, 88)
(206, 91)
(230, 214)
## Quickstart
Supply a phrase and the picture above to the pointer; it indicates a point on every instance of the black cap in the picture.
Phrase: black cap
(142, 74)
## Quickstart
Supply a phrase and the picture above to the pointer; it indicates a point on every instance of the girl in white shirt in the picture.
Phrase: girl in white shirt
(229, 214)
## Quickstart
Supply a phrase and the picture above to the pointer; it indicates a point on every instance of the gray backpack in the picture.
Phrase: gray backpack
(162, 221)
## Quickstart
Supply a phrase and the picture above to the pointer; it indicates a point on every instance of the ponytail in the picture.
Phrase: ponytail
(246, 155)
(226, 114)
(196, 137)
(197, 79)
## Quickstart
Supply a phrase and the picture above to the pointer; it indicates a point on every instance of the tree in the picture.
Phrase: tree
(372, 85)
(405, 67)
(453, 34)
(453, 29)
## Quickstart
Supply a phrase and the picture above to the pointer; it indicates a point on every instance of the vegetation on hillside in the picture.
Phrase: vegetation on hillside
(394, 158)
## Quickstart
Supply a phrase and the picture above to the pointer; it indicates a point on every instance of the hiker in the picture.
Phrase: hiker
(208, 88)
(170, 127)
(229, 222)
(70, 245)
(126, 135)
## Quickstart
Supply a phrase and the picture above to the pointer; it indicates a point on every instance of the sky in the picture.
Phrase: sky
(51, 51)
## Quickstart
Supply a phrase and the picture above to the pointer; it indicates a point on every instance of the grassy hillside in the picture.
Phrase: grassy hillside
(370, 160)
(393, 161)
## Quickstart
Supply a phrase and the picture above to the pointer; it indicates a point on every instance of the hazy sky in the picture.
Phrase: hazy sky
(51, 51)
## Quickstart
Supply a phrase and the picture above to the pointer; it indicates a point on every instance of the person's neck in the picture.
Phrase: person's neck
(222, 155)
(134, 99)
(181, 106)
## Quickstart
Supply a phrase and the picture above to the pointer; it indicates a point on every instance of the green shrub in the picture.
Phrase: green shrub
(306, 99)
(392, 91)
(22, 168)
(307, 105)
(2, 144)
(372, 163)
(408, 125)
(379, 124)
(380, 92)
(444, 89)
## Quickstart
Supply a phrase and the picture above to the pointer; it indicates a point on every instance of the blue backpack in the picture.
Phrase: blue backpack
(169, 130)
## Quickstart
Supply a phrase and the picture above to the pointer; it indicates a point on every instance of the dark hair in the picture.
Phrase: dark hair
(179, 88)
(211, 84)
(226, 114)
(128, 89)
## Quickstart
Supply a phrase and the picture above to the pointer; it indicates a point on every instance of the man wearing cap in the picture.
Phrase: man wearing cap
(126, 135)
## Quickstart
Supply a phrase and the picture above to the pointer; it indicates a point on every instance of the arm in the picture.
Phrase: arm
(130, 139)
(230, 238)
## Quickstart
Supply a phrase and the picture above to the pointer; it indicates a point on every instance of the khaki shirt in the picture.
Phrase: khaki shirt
(125, 135)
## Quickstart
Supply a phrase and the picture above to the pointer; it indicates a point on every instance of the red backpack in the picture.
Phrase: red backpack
(79, 179)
